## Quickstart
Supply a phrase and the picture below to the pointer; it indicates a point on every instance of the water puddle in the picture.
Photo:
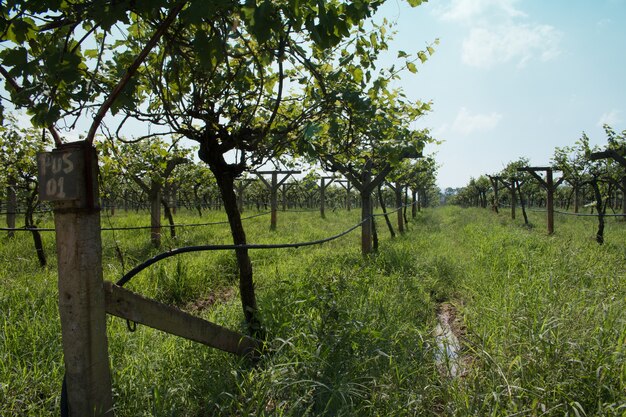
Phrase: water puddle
(448, 348)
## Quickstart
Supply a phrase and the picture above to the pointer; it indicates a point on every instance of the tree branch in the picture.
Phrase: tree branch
(609, 153)
(130, 72)
(18, 89)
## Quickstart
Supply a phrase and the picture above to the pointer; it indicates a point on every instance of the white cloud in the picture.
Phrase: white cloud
(610, 118)
(468, 11)
(467, 123)
(484, 48)
(499, 32)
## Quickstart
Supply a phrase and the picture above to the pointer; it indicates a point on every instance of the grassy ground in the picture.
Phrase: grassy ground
(545, 320)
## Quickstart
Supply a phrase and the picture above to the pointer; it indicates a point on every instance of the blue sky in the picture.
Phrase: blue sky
(513, 78)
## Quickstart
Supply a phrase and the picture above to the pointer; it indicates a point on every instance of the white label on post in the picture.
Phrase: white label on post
(60, 176)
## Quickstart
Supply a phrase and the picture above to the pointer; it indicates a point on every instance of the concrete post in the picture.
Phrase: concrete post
(68, 178)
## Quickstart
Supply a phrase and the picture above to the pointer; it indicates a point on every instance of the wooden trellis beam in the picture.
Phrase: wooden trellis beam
(549, 185)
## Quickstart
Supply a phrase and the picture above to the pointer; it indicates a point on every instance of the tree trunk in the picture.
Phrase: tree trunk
(246, 284)
(384, 208)
(11, 204)
(398, 194)
(374, 235)
(624, 197)
(414, 204)
(420, 197)
(514, 198)
(170, 219)
(600, 209)
(197, 200)
(366, 227)
(521, 200)
(225, 178)
(406, 205)
(30, 224)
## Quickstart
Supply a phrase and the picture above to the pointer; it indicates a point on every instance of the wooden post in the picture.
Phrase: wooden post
(550, 186)
(273, 201)
(550, 201)
(323, 186)
(273, 187)
(68, 178)
(347, 187)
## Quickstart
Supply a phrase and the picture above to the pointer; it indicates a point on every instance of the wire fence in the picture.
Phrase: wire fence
(107, 229)
(201, 248)
(567, 213)
(44, 229)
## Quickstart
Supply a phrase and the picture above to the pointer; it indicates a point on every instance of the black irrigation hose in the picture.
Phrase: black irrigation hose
(202, 248)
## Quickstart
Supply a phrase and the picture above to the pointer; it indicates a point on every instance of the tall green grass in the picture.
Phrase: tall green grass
(545, 319)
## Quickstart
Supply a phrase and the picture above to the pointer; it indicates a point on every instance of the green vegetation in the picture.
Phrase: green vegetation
(544, 318)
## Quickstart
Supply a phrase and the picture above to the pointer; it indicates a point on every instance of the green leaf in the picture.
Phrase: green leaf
(16, 57)
(357, 74)
(411, 67)
(415, 3)
(311, 130)
(21, 30)
(402, 54)
(91, 53)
